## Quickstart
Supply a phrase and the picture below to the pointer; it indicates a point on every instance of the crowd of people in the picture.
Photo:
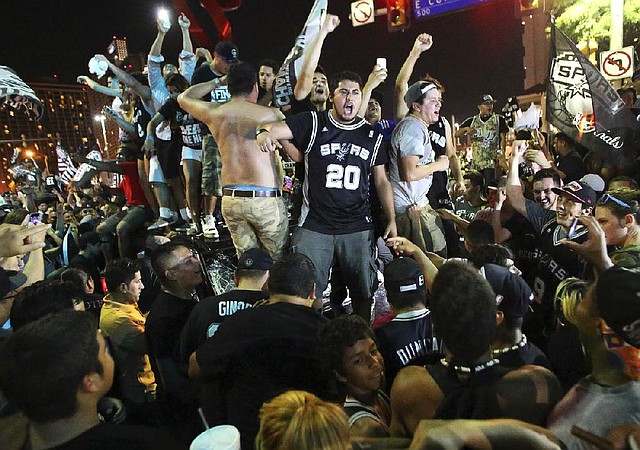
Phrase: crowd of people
(510, 271)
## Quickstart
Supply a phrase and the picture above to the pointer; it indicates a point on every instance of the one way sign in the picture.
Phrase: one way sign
(617, 64)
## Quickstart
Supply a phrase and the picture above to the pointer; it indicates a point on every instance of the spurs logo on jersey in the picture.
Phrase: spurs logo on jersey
(341, 150)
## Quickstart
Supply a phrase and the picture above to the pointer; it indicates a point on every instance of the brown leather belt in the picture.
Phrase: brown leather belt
(252, 194)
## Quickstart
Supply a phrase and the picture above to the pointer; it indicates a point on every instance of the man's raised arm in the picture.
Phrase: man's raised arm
(312, 57)
(422, 43)
(143, 91)
(514, 188)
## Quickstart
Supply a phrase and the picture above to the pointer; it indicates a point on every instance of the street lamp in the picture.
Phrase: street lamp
(102, 118)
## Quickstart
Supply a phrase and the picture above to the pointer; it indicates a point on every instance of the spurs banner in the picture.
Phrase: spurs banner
(66, 168)
(17, 94)
(85, 168)
(582, 104)
(288, 74)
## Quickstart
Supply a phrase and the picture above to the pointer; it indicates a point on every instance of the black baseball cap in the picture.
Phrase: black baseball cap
(403, 276)
(255, 259)
(618, 299)
(486, 98)
(578, 191)
(228, 51)
(513, 295)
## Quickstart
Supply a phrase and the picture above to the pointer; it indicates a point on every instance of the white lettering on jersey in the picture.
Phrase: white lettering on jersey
(343, 149)
(231, 307)
(339, 176)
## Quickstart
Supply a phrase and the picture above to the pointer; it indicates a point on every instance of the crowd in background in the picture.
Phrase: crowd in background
(398, 280)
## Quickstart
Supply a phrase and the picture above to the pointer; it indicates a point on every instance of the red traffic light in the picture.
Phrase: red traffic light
(398, 15)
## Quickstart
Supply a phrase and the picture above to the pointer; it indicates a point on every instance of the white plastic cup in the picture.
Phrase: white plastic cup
(222, 437)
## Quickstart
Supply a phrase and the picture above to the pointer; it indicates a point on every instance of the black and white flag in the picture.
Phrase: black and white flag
(582, 103)
(288, 74)
(17, 94)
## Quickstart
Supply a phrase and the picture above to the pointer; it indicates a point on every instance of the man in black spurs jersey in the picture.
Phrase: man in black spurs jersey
(555, 261)
(340, 151)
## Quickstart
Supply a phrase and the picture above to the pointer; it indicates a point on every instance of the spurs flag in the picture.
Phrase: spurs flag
(582, 104)
(18, 95)
(288, 74)
(66, 168)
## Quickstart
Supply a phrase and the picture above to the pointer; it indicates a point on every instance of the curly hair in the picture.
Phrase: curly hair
(338, 335)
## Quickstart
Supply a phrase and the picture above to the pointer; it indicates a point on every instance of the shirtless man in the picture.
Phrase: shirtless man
(252, 205)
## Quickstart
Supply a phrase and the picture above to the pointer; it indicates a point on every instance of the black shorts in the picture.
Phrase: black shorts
(169, 153)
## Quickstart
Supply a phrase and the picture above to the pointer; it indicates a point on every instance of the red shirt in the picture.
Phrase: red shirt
(130, 184)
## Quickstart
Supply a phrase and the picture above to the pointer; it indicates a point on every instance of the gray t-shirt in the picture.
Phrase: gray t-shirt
(410, 138)
(594, 408)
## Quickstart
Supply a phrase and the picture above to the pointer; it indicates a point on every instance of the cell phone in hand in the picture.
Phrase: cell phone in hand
(382, 62)
(34, 218)
(572, 229)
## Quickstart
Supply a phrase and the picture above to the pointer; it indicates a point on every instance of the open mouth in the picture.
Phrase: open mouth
(348, 109)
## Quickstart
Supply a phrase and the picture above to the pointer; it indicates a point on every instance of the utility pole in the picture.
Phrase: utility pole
(616, 32)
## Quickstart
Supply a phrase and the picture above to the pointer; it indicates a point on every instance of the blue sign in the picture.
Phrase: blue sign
(428, 8)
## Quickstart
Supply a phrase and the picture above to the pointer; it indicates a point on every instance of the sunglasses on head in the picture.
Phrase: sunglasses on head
(608, 197)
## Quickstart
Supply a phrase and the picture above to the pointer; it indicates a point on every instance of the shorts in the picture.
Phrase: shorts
(169, 154)
(211, 167)
(257, 222)
(155, 171)
(191, 153)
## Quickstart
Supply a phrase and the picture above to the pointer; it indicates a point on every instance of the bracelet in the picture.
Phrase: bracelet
(260, 131)
(149, 137)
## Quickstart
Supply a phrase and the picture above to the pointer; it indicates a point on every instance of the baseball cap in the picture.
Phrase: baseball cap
(404, 276)
(486, 98)
(255, 259)
(10, 280)
(417, 90)
(513, 295)
(579, 191)
(595, 181)
(378, 96)
(618, 299)
(228, 51)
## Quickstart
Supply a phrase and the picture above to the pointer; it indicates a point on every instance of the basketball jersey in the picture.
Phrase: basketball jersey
(556, 261)
(408, 340)
(438, 193)
(338, 163)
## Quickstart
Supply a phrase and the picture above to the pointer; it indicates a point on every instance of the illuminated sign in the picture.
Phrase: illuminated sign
(428, 8)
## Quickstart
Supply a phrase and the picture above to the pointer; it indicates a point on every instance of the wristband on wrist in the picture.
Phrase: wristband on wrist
(260, 131)
(149, 137)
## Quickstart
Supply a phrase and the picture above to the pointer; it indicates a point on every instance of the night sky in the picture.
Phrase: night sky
(475, 52)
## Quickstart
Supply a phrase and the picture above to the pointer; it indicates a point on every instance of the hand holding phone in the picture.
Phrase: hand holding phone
(571, 234)
(382, 62)
(34, 218)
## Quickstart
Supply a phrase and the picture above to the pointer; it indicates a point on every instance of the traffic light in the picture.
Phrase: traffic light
(528, 5)
(398, 15)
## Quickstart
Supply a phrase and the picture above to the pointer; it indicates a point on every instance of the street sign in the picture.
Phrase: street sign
(423, 9)
(617, 64)
(362, 12)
